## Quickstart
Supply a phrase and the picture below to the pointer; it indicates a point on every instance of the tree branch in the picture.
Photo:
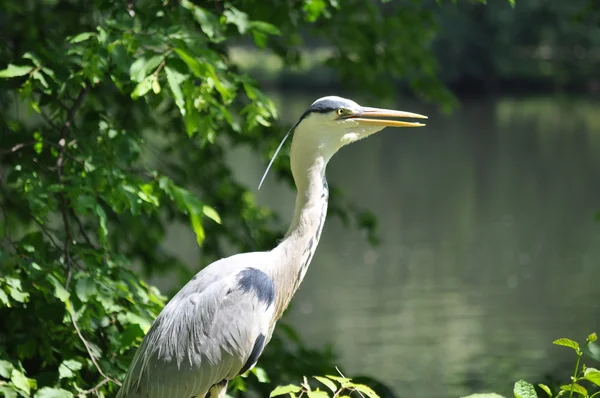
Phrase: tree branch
(88, 348)
(63, 205)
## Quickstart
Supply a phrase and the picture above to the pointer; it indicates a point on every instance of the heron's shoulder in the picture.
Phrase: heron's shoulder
(225, 272)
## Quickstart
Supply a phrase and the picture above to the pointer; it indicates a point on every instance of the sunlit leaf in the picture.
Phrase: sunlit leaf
(190, 61)
(260, 374)
(68, 368)
(144, 66)
(211, 213)
(175, 89)
(4, 298)
(575, 388)
(6, 369)
(7, 392)
(142, 87)
(197, 227)
(567, 343)
(523, 389)
(59, 290)
(238, 18)
(593, 375)
(282, 390)
(20, 381)
(546, 389)
(366, 390)
(15, 71)
(209, 23)
(48, 392)
(314, 9)
(85, 288)
(327, 382)
(82, 37)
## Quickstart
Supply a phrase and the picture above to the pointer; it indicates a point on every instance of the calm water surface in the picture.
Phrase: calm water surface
(489, 249)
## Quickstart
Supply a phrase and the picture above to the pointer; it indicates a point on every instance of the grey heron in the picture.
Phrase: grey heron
(218, 324)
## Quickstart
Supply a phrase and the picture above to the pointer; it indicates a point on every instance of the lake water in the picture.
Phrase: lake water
(489, 247)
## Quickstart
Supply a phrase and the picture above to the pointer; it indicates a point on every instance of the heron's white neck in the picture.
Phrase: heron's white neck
(295, 252)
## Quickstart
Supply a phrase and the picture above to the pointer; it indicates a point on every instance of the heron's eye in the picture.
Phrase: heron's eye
(341, 111)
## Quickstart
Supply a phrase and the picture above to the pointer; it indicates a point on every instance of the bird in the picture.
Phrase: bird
(216, 327)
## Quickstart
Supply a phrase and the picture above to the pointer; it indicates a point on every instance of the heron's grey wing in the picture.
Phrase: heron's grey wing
(207, 333)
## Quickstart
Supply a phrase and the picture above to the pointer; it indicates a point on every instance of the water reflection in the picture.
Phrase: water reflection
(489, 247)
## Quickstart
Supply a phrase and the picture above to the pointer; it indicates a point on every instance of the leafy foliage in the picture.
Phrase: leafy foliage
(335, 386)
(524, 389)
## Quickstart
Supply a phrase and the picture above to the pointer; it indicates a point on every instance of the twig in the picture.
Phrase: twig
(88, 348)
(160, 66)
(73, 111)
(16, 147)
(82, 230)
(95, 389)
(341, 374)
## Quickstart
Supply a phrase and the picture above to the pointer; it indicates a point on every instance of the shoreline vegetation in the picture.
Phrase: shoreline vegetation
(540, 71)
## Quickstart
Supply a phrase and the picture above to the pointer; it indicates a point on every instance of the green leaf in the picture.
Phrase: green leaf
(592, 375)
(15, 71)
(344, 381)
(265, 27)
(211, 213)
(82, 37)
(523, 389)
(282, 390)
(102, 217)
(197, 227)
(314, 9)
(209, 23)
(190, 61)
(238, 18)
(142, 87)
(576, 388)
(48, 392)
(15, 290)
(546, 389)
(7, 392)
(85, 288)
(175, 89)
(366, 390)
(567, 343)
(260, 374)
(59, 291)
(20, 381)
(142, 67)
(6, 368)
(317, 394)
(4, 298)
(328, 383)
(67, 369)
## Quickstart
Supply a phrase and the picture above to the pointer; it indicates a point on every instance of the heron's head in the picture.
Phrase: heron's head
(332, 122)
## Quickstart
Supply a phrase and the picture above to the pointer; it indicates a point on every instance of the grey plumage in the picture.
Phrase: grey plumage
(218, 324)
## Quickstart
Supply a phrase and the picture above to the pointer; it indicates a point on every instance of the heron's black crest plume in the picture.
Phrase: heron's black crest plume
(323, 105)
(275, 155)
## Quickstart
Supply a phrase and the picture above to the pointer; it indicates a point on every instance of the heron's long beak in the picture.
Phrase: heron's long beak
(366, 115)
